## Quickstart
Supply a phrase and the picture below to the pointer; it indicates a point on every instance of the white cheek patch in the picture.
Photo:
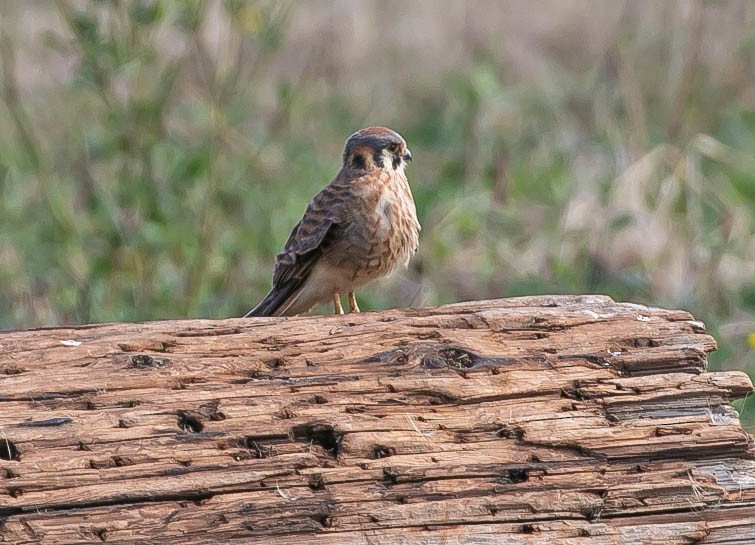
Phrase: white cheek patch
(388, 159)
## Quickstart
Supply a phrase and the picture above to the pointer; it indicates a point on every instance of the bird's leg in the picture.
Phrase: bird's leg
(353, 307)
(338, 309)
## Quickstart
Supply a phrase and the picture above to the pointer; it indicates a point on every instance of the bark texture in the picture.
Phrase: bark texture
(539, 420)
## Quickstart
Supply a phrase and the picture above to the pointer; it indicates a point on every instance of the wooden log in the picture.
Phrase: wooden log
(537, 420)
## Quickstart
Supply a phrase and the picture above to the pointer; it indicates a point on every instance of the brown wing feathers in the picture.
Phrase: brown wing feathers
(303, 249)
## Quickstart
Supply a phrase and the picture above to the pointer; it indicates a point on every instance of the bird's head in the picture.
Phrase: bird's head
(376, 148)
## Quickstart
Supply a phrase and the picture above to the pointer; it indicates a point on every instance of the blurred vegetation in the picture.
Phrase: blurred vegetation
(155, 154)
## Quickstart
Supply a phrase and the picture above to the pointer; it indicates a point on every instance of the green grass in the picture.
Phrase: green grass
(158, 176)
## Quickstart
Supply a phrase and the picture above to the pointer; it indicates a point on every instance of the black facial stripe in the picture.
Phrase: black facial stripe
(358, 162)
(396, 161)
(377, 157)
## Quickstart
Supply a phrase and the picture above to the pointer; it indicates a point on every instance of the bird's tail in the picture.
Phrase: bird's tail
(274, 303)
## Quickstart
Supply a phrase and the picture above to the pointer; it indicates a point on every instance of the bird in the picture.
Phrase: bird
(360, 227)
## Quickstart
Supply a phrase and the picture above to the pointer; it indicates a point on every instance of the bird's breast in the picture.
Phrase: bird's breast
(381, 233)
(396, 229)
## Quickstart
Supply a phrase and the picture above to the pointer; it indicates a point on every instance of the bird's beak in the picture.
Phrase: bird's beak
(408, 156)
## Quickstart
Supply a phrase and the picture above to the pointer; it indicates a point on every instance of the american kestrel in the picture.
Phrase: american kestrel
(357, 229)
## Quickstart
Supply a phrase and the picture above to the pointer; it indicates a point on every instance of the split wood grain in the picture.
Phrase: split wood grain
(559, 420)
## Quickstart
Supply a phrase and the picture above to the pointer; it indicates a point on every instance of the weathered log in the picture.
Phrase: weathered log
(539, 420)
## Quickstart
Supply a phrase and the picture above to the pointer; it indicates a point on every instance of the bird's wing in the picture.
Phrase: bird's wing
(324, 215)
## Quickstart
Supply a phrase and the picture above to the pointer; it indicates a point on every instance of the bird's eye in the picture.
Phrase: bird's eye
(393, 148)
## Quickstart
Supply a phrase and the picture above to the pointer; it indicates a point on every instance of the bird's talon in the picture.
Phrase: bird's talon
(338, 309)
(353, 307)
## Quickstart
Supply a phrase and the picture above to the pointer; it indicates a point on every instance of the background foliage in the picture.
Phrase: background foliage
(155, 154)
